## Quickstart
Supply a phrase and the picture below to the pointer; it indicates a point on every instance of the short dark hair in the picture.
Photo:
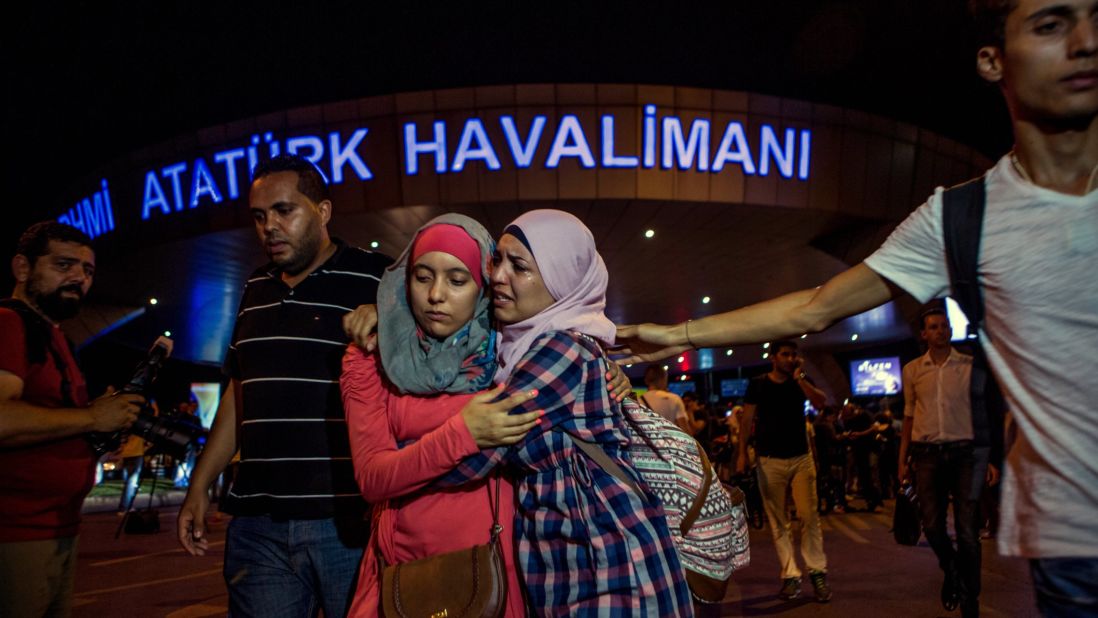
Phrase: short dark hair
(989, 20)
(776, 346)
(929, 312)
(654, 373)
(310, 181)
(35, 242)
(691, 395)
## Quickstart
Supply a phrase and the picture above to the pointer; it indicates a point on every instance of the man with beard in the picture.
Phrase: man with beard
(296, 537)
(1038, 246)
(774, 415)
(46, 465)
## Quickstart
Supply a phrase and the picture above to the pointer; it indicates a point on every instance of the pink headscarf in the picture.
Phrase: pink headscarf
(452, 239)
(576, 277)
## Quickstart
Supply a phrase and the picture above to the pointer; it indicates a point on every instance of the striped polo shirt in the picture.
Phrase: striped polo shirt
(286, 351)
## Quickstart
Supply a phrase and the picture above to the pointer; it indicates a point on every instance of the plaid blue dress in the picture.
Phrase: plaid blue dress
(588, 544)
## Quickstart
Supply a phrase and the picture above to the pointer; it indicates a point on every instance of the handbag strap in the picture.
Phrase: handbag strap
(494, 505)
(699, 500)
(494, 531)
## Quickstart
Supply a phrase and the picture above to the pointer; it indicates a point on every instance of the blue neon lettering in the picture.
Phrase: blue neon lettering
(806, 148)
(253, 157)
(523, 152)
(273, 148)
(173, 172)
(770, 149)
(228, 158)
(675, 146)
(92, 216)
(154, 196)
(294, 145)
(107, 202)
(609, 159)
(95, 219)
(570, 131)
(203, 184)
(734, 149)
(649, 138)
(348, 154)
(474, 131)
(413, 148)
(73, 217)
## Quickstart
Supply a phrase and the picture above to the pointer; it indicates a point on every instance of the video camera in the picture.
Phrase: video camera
(173, 435)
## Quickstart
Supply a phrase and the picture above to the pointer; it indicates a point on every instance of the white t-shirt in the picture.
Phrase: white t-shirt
(666, 404)
(936, 398)
(1038, 270)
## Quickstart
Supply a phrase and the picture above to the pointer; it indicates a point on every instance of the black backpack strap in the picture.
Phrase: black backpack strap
(962, 227)
(963, 209)
(37, 335)
(35, 330)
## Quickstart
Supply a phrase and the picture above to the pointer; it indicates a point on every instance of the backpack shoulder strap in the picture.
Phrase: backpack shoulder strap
(963, 210)
(35, 330)
(599, 456)
(962, 226)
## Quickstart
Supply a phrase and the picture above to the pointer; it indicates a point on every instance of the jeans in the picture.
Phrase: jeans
(1066, 587)
(775, 475)
(954, 470)
(288, 568)
(131, 473)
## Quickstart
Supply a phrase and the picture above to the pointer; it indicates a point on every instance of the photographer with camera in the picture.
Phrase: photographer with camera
(46, 464)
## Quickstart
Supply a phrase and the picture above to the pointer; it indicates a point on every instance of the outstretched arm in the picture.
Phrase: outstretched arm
(807, 311)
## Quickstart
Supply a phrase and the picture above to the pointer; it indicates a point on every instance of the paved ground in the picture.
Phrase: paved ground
(872, 576)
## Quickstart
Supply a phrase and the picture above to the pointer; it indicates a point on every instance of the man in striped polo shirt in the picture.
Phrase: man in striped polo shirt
(298, 529)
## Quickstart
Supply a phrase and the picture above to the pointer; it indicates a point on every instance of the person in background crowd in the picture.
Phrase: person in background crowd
(1036, 274)
(662, 401)
(132, 462)
(830, 457)
(938, 435)
(774, 415)
(888, 443)
(696, 417)
(46, 465)
(298, 528)
(861, 436)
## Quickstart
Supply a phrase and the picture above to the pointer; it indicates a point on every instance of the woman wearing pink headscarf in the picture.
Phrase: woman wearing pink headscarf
(417, 406)
(587, 543)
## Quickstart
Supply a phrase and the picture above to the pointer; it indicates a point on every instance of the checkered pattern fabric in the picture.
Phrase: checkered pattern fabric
(588, 545)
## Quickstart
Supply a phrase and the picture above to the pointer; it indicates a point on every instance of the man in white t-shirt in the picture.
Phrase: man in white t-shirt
(660, 400)
(1036, 272)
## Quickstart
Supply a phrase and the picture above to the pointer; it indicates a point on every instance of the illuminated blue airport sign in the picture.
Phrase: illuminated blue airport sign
(665, 142)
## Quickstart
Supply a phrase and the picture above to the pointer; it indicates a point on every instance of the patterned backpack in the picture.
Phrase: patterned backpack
(708, 521)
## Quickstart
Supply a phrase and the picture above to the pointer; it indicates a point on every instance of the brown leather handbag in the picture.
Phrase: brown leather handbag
(468, 583)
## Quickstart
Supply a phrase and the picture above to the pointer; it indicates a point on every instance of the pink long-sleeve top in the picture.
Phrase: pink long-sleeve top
(411, 521)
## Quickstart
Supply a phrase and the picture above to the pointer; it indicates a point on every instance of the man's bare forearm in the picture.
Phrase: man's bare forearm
(23, 423)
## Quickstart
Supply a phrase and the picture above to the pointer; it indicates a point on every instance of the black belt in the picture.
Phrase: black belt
(937, 447)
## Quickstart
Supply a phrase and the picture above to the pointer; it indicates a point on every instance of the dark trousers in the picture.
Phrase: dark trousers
(867, 481)
(1066, 587)
(954, 471)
